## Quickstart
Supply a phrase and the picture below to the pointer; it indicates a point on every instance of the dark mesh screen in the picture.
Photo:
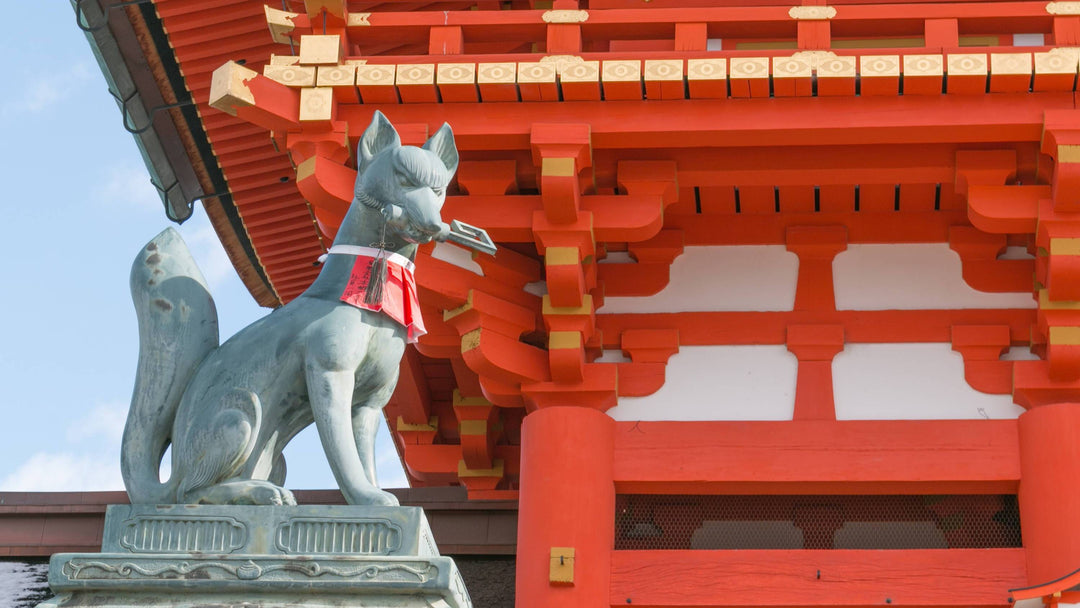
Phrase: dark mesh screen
(958, 521)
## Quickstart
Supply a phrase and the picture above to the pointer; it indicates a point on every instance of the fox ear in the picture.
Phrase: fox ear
(379, 136)
(442, 144)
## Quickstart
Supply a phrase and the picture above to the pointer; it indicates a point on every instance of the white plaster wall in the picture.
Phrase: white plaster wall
(1015, 253)
(720, 383)
(910, 382)
(749, 277)
(1029, 40)
(612, 355)
(1019, 353)
(910, 277)
(458, 256)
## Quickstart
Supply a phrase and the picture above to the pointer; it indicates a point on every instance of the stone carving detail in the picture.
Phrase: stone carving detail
(183, 535)
(339, 536)
(247, 570)
(308, 556)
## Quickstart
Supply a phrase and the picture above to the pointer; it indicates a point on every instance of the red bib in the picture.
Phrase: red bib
(399, 300)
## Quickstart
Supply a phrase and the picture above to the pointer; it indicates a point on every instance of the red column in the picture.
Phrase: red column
(567, 500)
(1049, 492)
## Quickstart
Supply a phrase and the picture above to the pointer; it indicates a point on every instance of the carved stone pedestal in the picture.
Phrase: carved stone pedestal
(187, 556)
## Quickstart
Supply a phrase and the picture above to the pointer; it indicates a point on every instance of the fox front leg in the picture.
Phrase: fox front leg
(367, 415)
(365, 423)
(330, 392)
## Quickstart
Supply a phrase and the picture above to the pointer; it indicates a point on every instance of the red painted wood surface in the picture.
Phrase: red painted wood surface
(567, 500)
(867, 326)
(818, 457)
(261, 178)
(899, 163)
(931, 577)
(721, 123)
(1049, 495)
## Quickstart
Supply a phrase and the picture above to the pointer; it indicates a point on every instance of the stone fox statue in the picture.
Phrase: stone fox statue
(329, 357)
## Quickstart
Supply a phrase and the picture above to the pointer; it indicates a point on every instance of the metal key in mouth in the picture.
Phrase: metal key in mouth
(471, 237)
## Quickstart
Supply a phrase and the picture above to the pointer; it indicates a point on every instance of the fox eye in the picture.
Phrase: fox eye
(404, 181)
(439, 191)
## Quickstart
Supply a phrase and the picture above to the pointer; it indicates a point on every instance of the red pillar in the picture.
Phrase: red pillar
(1049, 492)
(567, 500)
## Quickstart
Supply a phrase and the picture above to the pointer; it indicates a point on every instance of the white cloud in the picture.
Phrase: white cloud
(208, 252)
(105, 421)
(91, 460)
(46, 88)
(66, 472)
(128, 186)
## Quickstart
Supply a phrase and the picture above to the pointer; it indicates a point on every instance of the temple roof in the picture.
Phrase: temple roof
(602, 131)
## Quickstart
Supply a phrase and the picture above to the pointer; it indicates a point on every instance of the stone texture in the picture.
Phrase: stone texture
(183, 556)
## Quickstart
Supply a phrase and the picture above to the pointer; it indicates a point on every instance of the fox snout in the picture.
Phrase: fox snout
(417, 218)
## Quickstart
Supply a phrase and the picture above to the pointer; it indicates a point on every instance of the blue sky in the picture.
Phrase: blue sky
(78, 206)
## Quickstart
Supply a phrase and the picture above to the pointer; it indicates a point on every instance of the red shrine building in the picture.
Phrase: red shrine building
(786, 305)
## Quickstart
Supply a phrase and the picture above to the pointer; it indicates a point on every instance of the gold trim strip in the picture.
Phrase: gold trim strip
(1045, 303)
(358, 19)
(1068, 153)
(473, 427)
(564, 339)
(280, 23)
(812, 13)
(1064, 246)
(564, 16)
(432, 425)
(1065, 336)
(557, 167)
(1063, 8)
(228, 89)
(463, 470)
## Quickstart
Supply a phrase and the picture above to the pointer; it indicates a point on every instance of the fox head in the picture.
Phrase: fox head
(407, 184)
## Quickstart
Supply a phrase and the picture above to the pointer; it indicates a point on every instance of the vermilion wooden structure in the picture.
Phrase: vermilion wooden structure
(589, 129)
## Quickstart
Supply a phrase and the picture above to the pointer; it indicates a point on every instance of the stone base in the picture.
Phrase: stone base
(182, 556)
